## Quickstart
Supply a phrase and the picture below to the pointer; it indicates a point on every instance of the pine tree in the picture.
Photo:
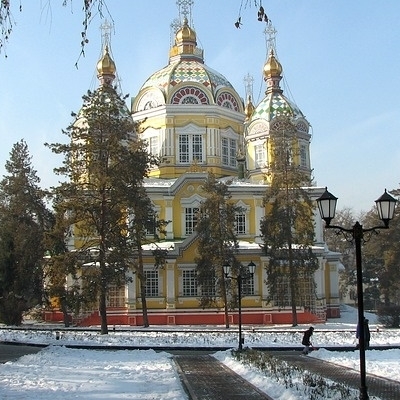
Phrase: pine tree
(61, 280)
(287, 228)
(217, 242)
(24, 219)
(105, 166)
(144, 223)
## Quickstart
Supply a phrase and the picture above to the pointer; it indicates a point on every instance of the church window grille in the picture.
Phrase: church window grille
(248, 286)
(208, 288)
(153, 145)
(191, 218)
(151, 289)
(306, 293)
(190, 100)
(229, 152)
(227, 100)
(303, 156)
(116, 296)
(189, 95)
(190, 148)
(259, 156)
(189, 282)
(240, 223)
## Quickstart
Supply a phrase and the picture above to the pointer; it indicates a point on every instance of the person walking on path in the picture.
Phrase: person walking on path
(306, 342)
(367, 334)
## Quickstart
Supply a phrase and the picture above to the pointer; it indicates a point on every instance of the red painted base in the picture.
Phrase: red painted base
(193, 317)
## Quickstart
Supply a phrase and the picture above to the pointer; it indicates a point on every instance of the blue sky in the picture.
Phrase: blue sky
(341, 65)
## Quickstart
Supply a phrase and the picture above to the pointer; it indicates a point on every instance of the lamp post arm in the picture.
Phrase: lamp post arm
(239, 281)
(339, 228)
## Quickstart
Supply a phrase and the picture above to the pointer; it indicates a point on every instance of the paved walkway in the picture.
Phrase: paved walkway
(205, 378)
(386, 389)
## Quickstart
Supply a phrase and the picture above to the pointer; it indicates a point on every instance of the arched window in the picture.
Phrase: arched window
(189, 95)
(227, 100)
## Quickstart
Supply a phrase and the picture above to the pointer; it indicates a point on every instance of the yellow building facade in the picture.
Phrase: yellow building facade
(196, 122)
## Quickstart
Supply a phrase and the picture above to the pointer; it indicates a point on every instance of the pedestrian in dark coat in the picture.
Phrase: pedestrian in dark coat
(306, 342)
(367, 334)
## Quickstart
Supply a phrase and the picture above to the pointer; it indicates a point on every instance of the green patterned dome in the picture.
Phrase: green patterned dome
(274, 105)
(187, 71)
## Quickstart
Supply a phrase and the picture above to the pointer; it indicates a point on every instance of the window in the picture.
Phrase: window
(259, 156)
(303, 156)
(190, 148)
(228, 101)
(305, 288)
(282, 297)
(190, 100)
(189, 282)
(153, 145)
(151, 283)
(189, 95)
(151, 224)
(229, 152)
(208, 286)
(190, 219)
(116, 296)
(240, 223)
(248, 286)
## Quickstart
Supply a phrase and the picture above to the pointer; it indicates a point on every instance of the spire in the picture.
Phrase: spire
(185, 46)
(106, 70)
(272, 68)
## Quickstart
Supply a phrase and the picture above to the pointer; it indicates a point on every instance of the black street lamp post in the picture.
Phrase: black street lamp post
(386, 207)
(239, 278)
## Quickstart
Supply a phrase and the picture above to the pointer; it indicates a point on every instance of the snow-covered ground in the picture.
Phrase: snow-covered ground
(57, 372)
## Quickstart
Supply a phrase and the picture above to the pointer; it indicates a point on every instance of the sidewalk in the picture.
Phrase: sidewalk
(385, 389)
(205, 378)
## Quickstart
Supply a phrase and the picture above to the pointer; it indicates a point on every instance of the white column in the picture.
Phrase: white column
(170, 284)
(169, 216)
(258, 215)
(130, 292)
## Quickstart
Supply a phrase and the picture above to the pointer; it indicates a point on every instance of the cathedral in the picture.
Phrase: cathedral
(196, 122)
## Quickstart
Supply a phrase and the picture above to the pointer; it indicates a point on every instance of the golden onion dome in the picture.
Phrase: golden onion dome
(186, 33)
(106, 65)
(272, 67)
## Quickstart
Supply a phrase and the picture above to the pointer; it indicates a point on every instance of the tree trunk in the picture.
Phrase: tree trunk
(103, 310)
(142, 287)
(64, 310)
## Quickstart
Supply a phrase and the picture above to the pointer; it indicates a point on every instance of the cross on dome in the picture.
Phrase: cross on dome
(270, 37)
(185, 10)
(106, 28)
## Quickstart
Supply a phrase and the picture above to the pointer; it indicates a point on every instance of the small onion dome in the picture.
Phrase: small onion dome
(249, 108)
(186, 33)
(272, 67)
(106, 65)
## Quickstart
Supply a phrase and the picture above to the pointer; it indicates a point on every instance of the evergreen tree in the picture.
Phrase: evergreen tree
(340, 244)
(61, 280)
(23, 220)
(381, 258)
(287, 229)
(217, 243)
(105, 166)
(144, 223)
